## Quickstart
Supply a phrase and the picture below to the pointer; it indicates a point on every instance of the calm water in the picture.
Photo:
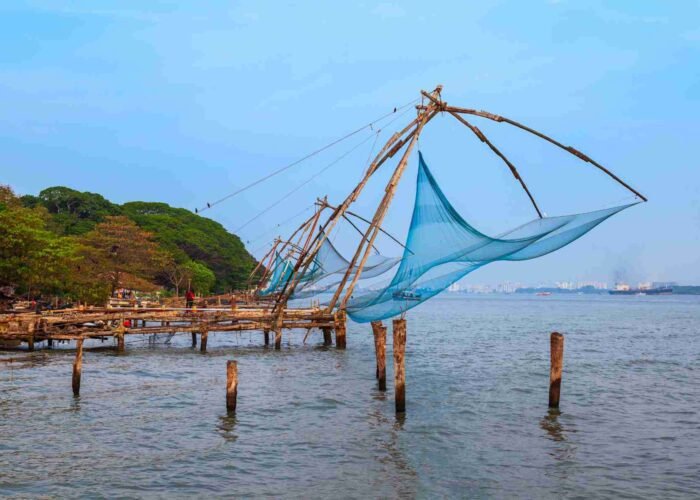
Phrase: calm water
(311, 423)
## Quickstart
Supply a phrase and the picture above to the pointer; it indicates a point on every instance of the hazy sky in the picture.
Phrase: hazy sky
(184, 102)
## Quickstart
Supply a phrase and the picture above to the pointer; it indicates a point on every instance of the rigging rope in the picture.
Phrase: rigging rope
(306, 157)
(297, 188)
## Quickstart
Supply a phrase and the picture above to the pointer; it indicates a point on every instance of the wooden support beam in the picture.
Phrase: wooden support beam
(120, 342)
(203, 340)
(278, 339)
(77, 367)
(194, 339)
(327, 338)
(267, 336)
(382, 209)
(571, 150)
(340, 342)
(379, 331)
(399, 365)
(556, 348)
(231, 385)
(498, 153)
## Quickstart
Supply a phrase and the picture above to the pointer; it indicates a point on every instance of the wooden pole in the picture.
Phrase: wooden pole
(556, 345)
(512, 168)
(77, 367)
(372, 230)
(376, 328)
(380, 348)
(327, 338)
(278, 339)
(231, 385)
(399, 366)
(267, 336)
(194, 339)
(573, 151)
(203, 340)
(340, 330)
(120, 342)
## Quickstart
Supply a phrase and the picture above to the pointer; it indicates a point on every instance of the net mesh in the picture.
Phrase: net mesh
(441, 248)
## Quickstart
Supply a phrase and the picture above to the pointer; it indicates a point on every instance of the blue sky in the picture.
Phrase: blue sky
(184, 102)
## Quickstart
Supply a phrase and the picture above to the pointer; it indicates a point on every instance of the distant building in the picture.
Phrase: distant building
(622, 287)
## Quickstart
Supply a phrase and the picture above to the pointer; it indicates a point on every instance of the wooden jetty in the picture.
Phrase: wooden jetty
(118, 323)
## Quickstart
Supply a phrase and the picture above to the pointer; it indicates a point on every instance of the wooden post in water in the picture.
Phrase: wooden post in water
(231, 385)
(194, 339)
(203, 340)
(278, 338)
(327, 337)
(380, 350)
(120, 335)
(557, 364)
(267, 336)
(30, 339)
(399, 366)
(340, 330)
(77, 367)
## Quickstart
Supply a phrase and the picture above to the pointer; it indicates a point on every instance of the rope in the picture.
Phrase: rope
(297, 188)
(306, 157)
(283, 223)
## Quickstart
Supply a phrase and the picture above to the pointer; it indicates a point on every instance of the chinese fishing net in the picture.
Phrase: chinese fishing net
(441, 248)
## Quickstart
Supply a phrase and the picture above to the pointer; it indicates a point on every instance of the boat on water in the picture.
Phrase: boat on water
(406, 295)
(543, 294)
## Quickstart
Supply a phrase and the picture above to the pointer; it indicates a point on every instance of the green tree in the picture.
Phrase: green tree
(120, 253)
(199, 277)
(32, 258)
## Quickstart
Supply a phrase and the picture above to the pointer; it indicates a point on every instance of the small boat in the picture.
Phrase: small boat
(406, 295)
(544, 294)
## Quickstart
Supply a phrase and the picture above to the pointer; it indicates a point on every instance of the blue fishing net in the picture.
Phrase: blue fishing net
(441, 248)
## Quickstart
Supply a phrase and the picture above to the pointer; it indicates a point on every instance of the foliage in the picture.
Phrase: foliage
(120, 253)
(188, 236)
(182, 234)
(201, 279)
(32, 258)
(73, 212)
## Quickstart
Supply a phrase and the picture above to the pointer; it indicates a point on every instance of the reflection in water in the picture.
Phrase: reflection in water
(227, 426)
(565, 450)
(550, 423)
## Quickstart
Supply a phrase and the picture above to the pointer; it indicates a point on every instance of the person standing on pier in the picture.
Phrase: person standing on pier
(189, 298)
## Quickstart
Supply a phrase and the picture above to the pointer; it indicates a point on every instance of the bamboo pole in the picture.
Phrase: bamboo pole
(77, 367)
(399, 365)
(556, 348)
(384, 154)
(378, 217)
(570, 149)
(231, 385)
(512, 168)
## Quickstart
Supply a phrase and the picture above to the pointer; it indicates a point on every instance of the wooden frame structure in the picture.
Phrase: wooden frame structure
(404, 142)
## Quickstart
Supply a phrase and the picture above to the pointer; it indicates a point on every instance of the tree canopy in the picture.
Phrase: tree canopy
(67, 242)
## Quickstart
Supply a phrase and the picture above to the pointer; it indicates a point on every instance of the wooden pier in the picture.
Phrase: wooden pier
(28, 328)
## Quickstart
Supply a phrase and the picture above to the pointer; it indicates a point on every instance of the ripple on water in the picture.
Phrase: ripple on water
(312, 423)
